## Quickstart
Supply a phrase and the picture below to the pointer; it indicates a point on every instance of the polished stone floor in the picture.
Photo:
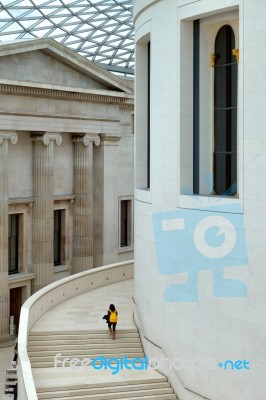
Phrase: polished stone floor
(85, 312)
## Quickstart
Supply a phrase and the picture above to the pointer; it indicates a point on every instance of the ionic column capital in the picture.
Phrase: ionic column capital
(47, 138)
(7, 135)
(87, 139)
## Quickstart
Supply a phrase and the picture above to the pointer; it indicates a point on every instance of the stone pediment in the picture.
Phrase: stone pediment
(45, 61)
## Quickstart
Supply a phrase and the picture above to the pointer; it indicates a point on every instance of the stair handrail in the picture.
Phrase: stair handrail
(177, 374)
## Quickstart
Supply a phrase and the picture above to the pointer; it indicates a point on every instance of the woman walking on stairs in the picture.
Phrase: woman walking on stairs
(112, 320)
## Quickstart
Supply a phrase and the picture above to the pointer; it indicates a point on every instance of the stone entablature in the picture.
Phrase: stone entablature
(71, 94)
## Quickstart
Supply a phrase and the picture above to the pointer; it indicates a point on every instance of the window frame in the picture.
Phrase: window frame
(143, 112)
(130, 203)
(209, 26)
(234, 118)
(65, 204)
(23, 207)
(12, 271)
(58, 237)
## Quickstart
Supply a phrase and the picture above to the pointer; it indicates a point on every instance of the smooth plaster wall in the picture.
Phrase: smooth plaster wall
(223, 328)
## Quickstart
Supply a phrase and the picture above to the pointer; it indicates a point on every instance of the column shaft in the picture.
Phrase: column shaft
(4, 289)
(83, 206)
(43, 206)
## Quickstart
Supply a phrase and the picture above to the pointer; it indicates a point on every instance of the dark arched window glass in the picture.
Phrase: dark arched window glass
(225, 113)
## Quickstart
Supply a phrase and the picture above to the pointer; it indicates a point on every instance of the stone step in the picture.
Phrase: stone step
(87, 351)
(50, 363)
(155, 393)
(61, 355)
(80, 341)
(103, 390)
(87, 335)
(147, 397)
(142, 381)
(90, 333)
(44, 346)
(47, 357)
(117, 344)
(61, 332)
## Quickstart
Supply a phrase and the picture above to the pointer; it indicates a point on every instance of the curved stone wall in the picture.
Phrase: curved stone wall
(49, 297)
(209, 311)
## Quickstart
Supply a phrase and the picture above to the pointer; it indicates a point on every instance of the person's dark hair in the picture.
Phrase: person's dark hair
(112, 307)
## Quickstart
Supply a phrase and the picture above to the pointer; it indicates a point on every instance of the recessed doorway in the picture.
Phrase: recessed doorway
(15, 305)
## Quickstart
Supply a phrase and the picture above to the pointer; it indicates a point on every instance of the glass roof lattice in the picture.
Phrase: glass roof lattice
(100, 30)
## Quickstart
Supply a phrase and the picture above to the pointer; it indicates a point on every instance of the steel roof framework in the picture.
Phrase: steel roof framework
(100, 30)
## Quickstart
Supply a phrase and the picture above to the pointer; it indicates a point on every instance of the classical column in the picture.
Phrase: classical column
(5, 339)
(83, 206)
(43, 207)
(109, 186)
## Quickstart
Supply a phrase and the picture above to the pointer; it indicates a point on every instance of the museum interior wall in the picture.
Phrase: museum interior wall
(66, 163)
(200, 161)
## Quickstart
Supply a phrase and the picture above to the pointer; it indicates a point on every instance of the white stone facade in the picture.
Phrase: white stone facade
(66, 144)
(211, 327)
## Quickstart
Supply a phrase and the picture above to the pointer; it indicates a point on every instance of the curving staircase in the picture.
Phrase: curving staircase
(43, 347)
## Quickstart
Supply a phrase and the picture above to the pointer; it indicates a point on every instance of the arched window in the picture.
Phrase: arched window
(225, 114)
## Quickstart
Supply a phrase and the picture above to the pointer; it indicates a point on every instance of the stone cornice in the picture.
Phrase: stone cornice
(29, 200)
(65, 116)
(127, 105)
(20, 201)
(68, 94)
(22, 276)
(67, 197)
